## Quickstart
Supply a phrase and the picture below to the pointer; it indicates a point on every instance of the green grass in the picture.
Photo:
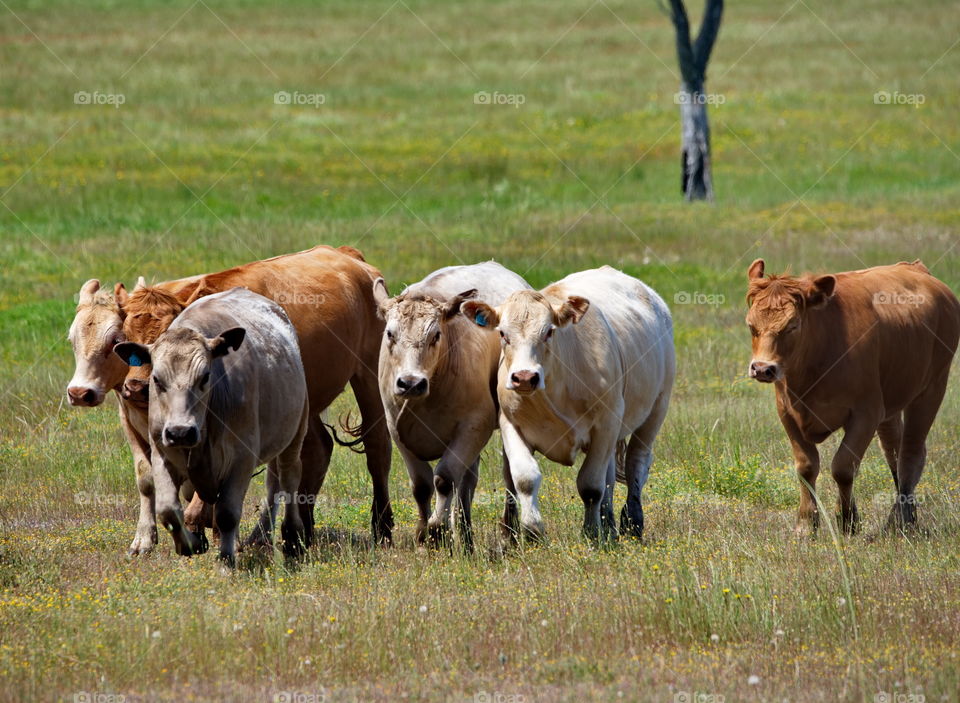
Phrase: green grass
(199, 169)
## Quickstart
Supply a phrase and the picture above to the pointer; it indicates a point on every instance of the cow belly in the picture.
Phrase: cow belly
(554, 440)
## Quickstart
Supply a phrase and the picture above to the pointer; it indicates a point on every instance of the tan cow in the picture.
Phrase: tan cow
(866, 351)
(588, 363)
(437, 372)
(227, 394)
(96, 329)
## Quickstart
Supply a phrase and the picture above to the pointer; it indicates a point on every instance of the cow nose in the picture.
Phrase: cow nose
(135, 388)
(78, 395)
(763, 371)
(181, 435)
(411, 385)
(525, 380)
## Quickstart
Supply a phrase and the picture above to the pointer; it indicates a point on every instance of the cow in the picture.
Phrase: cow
(588, 365)
(437, 375)
(96, 329)
(227, 394)
(867, 351)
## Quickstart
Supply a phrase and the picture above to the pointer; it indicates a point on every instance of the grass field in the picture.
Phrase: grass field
(200, 168)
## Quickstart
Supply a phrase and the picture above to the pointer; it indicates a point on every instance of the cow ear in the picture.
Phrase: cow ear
(755, 270)
(572, 310)
(480, 313)
(133, 354)
(87, 290)
(820, 291)
(453, 307)
(230, 339)
(122, 298)
(141, 283)
(381, 296)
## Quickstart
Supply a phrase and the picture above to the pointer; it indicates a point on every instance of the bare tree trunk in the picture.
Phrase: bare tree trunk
(696, 181)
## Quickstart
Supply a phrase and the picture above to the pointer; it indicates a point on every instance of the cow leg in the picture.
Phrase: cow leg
(857, 435)
(509, 523)
(421, 483)
(593, 479)
(526, 476)
(315, 460)
(289, 468)
(465, 491)
(229, 506)
(456, 473)
(262, 534)
(145, 537)
(167, 480)
(637, 463)
(890, 433)
(918, 418)
(376, 442)
(806, 458)
(608, 522)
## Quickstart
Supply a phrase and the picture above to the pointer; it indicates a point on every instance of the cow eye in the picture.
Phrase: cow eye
(506, 340)
(390, 335)
(204, 380)
(548, 335)
(436, 338)
(754, 332)
(114, 341)
(159, 385)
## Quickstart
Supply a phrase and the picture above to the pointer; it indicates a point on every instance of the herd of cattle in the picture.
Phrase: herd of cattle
(220, 373)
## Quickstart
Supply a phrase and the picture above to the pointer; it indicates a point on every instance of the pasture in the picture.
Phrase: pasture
(376, 140)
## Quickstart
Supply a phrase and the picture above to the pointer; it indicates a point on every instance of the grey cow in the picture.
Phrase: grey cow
(437, 376)
(216, 414)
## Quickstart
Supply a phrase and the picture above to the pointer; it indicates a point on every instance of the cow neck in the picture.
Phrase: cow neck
(818, 349)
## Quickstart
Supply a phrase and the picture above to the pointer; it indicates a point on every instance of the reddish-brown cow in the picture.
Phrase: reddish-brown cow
(867, 351)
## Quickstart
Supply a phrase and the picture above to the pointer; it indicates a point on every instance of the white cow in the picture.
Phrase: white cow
(588, 363)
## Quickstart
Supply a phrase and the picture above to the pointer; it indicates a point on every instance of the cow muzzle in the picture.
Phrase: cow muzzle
(82, 396)
(182, 436)
(765, 372)
(412, 386)
(136, 390)
(524, 381)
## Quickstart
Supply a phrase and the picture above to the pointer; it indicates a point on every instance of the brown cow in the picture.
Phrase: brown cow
(867, 351)
(328, 295)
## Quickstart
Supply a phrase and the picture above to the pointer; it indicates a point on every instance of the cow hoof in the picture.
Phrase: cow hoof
(202, 545)
(438, 536)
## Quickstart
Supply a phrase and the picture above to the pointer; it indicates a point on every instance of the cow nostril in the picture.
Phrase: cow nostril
(88, 396)
(421, 387)
(534, 380)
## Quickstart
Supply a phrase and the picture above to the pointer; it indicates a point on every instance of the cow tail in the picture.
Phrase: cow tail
(356, 431)
(621, 459)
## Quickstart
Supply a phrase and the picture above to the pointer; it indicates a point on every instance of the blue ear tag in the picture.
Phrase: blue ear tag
(134, 360)
(481, 319)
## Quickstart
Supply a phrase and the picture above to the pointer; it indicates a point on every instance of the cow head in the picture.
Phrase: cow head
(780, 307)
(526, 322)
(148, 312)
(182, 362)
(97, 328)
(415, 338)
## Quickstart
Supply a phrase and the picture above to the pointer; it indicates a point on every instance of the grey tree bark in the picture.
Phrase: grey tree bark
(696, 179)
